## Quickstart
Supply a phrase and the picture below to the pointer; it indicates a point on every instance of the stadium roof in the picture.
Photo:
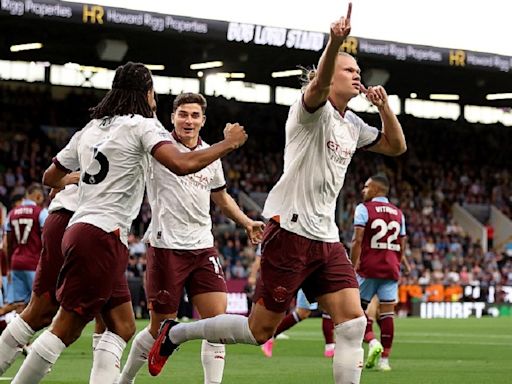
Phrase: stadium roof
(75, 32)
(477, 26)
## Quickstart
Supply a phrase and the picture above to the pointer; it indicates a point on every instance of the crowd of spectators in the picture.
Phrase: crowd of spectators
(446, 162)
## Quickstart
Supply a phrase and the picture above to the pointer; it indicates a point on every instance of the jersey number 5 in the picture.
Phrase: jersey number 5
(384, 228)
(102, 173)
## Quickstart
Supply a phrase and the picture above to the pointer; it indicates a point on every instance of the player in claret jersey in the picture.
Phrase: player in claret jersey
(24, 242)
(112, 154)
(378, 247)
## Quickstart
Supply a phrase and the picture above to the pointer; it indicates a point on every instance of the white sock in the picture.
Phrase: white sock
(348, 353)
(107, 359)
(373, 342)
(138, 356)
(330, 346)
(96, 337)
(213, 359)
(44, 353)
(222, 329)
(16, 335)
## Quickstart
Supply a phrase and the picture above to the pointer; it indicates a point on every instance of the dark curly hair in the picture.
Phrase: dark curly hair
(128, 95)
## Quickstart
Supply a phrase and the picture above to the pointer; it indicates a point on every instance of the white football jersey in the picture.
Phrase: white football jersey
(319, 148)
(180, 205)
(65, 199)
(112, 155)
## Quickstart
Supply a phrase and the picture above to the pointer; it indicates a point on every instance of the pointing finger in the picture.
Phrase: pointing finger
(349, 11)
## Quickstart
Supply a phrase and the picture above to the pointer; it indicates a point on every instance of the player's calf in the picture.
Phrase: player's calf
(348, 355)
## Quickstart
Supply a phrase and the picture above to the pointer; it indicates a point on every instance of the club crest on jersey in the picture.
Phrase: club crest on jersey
(280, 294)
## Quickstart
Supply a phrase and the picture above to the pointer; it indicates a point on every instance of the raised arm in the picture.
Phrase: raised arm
(392, 141)
(318, 89)
(182, 163)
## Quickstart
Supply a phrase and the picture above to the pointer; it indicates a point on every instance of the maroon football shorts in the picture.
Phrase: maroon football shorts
(290, 261)
(51, 259)
(93, 276)
(168, 271)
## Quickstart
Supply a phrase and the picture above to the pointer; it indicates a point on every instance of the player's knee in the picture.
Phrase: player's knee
(39, 318)
(351, 332)
(263, 333)
(70, 336)
(303, 313)
(126, 330)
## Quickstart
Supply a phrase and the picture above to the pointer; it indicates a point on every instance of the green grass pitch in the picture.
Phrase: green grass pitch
(467, 351)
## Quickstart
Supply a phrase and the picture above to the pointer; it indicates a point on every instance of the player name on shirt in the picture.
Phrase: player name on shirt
(23, 211)
(386, 209)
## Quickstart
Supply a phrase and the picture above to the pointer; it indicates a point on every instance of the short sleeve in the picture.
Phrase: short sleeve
(219, 181)
(302, 114)
(403, 231)
(43, 215)
(361, 215)
(368, 135)
(67, 159)
(153, 135)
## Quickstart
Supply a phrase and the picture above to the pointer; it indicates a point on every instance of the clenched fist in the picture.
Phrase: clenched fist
(235, 134)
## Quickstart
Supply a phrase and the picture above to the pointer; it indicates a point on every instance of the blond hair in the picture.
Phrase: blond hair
(308, 74)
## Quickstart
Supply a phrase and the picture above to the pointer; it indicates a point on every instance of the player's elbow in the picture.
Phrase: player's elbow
(50, 179)
(397, 149)
(402, 148)
(181, 168)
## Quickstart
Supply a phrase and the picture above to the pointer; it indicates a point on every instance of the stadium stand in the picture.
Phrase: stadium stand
(445, 165)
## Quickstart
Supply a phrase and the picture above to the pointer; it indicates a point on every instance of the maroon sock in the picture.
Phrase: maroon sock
(368, 333)
(387, 332)
(328, 329)
(289, 321)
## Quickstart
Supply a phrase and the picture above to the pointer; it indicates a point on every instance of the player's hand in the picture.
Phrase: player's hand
(376, 95)
(251, 281)
(235, 134)
(53, 192)
(72, 178)
(254, 231)
(340, 29)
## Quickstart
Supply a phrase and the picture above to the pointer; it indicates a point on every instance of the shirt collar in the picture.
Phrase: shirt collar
(28, 202)
(381, 199)
(175, 136)
(341, 113)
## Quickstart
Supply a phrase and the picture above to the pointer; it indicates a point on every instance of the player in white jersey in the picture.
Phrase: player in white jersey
(301, 245)
(111, 152)
(181, 252)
